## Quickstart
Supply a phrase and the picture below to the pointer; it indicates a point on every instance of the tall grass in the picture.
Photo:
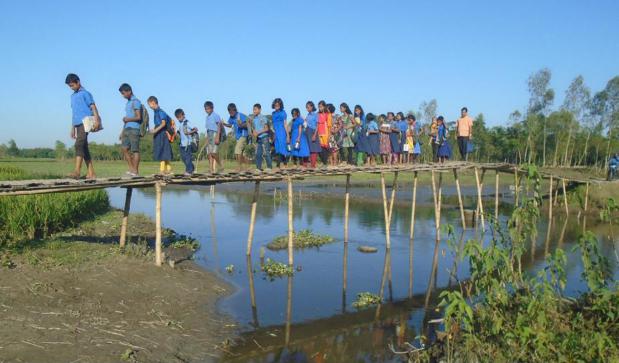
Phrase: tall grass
(34, 216)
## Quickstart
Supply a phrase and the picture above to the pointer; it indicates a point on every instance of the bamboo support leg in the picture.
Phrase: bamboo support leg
(252, 217)
(480, 205)
(394, 187)
(413, 206)
(550, 200)
(252, 292)
(459, 192)
(125, 221)
(586, 197)
(158, 225)
(385, 210)
(290, 224)
(496, 196)
(516, 183)
(412, 235)
(288, 311)
(567, 209)
(346, 206)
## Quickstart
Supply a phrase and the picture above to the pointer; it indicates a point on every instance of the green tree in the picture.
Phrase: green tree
(541, 97)
(60, 150)
(12, 149)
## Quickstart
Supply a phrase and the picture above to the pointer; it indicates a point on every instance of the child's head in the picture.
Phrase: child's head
(277, 104)
(370, 117)
(232, 109)
(440, 120)
(390, 116)
(344, 109)
(295, 112)
(257, 109)
(208, 107)
(180, 114)
(153, 102)
(400, 116)
(331, 108)
(310, 106)
(125, 90)
(73, 81)
(322, 106)
(411, 118)
(358, 110)
(382, 118)
(464, 111)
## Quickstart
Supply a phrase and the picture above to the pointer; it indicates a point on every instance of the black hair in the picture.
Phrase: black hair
(390, 113)
(208, 104)
(370, 116)
(344, 105)
(358, 107)
(125, 87)
(440, 118)
(152, 99)
(231, 107)
(321, 103)
(401, 114)
(331, 108)
(179, 111)
(411, 117)
(311, 103)
(295, 111)
(464, 109)
(257, 105)
(278, 100)
(71, 78)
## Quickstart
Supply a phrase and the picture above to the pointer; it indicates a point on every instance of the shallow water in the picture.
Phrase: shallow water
(309, 317)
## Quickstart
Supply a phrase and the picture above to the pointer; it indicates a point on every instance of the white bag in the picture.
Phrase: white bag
(89, 124)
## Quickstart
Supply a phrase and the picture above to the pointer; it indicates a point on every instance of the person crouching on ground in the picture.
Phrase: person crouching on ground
(261, 133)
(130, 136)
(162, 150)
(186, 132)
(82, 106)
(238, 122)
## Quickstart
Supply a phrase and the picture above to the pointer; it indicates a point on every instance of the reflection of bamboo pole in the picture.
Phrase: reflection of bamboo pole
(288, 310)
(459, 192)
(290, 224)
(385, 210)
(480, 205)
(496, 196)
(383, 280)
(550, 201)
(346, 204)
(433, 271)
(125, 221)
(344, 277)
(562, 236)
(567, 210)
(413, 206)
(252, 217)
(158, 225)
(252, 292)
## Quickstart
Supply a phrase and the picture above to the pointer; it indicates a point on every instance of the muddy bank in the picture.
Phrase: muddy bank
(72, 298)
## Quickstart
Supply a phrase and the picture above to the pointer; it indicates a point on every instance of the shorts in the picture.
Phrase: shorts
(81, 143)
(211, 148)
(131, 140)
(240, 145)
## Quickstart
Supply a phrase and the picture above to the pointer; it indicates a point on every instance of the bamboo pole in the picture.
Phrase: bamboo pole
(567, 209)
(288, 311)
(586, 196)
(125, 220)
(344, 277)
(290, 224)
(394, 187)
(516, 184)
(412, 235)
(434, 195)
(496, 196)
(252, 292)
(158, 225)
(459, 192)
(480, 205)
(346, 206)
(385, 210)
(252, 217)
(413, 206)
(550, 200)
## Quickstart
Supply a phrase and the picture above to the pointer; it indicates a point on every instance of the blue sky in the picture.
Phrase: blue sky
(385, 55)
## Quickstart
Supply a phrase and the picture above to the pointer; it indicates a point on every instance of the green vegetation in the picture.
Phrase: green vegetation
(302, 239)
(366, 299)
(505, 315)
(273, 269)
(183, 241)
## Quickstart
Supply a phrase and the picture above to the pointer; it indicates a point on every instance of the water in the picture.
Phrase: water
(309, 317)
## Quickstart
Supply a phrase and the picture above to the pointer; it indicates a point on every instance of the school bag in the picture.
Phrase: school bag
(194, 146)
(144, 122)
(170, 129)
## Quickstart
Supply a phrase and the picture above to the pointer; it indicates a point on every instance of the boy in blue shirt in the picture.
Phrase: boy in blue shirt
(130, 136)
(186, 131)
(82, 106)
(261, 133)
(238, 122)
(214, 130)
(613, 165)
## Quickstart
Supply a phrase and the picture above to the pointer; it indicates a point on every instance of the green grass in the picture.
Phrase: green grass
(302, 239)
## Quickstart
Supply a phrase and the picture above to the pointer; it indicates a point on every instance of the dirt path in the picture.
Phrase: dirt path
(87, 302)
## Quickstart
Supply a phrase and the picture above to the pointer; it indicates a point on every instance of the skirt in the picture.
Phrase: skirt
(162, 150)
(385, 143)
(373, 145)
(362, 145)
(314, 146)
(444, 150)
(394, 138)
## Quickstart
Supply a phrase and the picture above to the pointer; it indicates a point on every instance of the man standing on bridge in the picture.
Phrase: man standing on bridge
(464, 131)
(130, 137)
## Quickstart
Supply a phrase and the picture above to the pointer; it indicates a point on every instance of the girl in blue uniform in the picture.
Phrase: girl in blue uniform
(373, 143)
(394, 138)
(361, 144)
(282, 137)
(162, 150)
(298, 139)
(311, 121)
(444, 149)
(403, 126)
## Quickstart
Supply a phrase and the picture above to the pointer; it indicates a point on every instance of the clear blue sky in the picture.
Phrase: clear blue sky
(384, 55)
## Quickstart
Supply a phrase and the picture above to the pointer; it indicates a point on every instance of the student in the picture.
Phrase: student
(214, 134)
(186, 132)
(412, 121)
(162, 150)
(334, 136)
(613, 165)
(282, 137)
(348, 124)
(238, 122)
(444, 149)
(464, 131)
(261, 133)
(394, 138)
(373, 147)
(408, 148)
(298, 139)
(433, 139)
(361, 146)
(403, 127)
(385, 139)
(311, 123)
(82, 106)
(323, 131)
(130, 136)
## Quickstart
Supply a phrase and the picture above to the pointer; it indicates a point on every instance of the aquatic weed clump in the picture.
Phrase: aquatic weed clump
(302, 239)
(365, 300)
(183, 241)
(274, 269)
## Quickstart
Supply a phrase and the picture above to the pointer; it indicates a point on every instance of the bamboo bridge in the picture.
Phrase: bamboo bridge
(289, 175)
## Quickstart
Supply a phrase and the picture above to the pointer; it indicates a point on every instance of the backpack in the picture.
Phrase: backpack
(194, 146)
(144, 122)
(170, 129)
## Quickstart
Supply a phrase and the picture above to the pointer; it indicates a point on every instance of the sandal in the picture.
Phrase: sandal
(73, 176)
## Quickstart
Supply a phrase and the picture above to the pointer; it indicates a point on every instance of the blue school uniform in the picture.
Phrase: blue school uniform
(239, 131)
(312, 121)
(372, 140)
(81, 100)
(303, 151)
(444, 149)
(279, 126)
(403, 126)
(362, 144)
(212, 122)
(162, 150)
(133, 104)
(185, 146)
(394, 138)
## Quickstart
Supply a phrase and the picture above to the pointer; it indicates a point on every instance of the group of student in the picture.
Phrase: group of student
(352, 137)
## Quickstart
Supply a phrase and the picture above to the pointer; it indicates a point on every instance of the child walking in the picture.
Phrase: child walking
(373, 147)
(298, 139)
(187, 147)
(162, 150)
